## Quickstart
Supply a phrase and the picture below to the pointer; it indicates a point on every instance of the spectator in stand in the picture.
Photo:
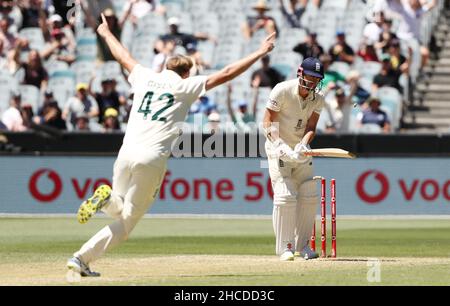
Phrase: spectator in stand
(242, 117)
(341, 51)
(398, 61)
(80, 105)
(374, 115)
(409, 13)
(388, 76)
(8, 39)
(310, 47)
(82, 123)
(12, 62)
(34, 71)
(59, 48)
(294, 13)
(111, 122)
(50, 114)
(108, 98)
(142, 8)
(259, 22)
(268, 76)
(385, 37)
(358, 94)
(33, 14)
(331, 78)
(413, 12)
(57, 22)
(116, 26)
(200, 65)
(7, 8)
(166, 50)
(12, 117)
(373, 30)
(367, 52)
(27, 116)
(184, 39)
(340, 109)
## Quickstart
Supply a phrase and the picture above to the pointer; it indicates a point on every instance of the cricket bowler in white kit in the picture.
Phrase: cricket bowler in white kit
(161, 100)
(290, 123)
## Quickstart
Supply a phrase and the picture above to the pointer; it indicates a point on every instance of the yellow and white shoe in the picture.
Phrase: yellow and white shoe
(92, 205)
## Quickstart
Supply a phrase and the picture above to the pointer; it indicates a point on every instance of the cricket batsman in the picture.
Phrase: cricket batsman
(290, 122)
(161, 100)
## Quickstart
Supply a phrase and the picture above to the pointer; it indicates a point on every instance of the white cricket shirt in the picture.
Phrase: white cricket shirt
(293, 111)
(161, 100)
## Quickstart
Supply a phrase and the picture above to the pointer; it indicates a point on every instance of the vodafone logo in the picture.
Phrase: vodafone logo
(45, 174)
(362, 190)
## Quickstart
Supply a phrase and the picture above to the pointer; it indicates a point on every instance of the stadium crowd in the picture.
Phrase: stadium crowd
(52, 74)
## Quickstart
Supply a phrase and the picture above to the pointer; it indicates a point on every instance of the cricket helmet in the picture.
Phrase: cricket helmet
(313, 67)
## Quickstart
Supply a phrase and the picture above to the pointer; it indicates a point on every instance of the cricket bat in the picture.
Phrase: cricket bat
(331, 152)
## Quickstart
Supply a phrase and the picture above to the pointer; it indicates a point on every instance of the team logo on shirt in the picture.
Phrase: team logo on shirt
(273, 103)
(299, 125)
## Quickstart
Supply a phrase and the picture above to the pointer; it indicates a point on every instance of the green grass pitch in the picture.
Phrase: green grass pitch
(33, 251)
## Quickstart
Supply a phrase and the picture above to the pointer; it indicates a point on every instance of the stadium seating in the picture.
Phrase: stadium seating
(8, 85)
(62, 84)
(223, 20)
(391, 101)
(34, 37)
(30, 96)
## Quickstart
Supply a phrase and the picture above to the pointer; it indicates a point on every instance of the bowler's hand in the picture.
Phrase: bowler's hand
(103, 29)
(268, 44)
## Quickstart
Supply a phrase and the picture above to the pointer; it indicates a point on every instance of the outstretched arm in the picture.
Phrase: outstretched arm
(119, 52)
(232, 71)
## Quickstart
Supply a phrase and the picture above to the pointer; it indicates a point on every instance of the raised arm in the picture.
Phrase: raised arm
(127, 14)
(229, 107)
(90, 20)
(120, 53)
(232, 71)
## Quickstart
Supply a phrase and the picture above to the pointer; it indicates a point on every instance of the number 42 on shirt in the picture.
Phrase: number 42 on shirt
(146, 104)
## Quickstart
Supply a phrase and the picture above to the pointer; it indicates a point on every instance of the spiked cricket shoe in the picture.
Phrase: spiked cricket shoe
(78, 266)
(307, 253)
(92, 205)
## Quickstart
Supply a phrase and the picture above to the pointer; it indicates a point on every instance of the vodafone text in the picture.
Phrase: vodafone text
(427, 190)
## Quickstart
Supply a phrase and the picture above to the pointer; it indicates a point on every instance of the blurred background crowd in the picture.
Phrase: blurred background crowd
(55, 72)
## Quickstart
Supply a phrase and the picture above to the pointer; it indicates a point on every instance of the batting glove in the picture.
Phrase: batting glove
(301, 149)
(284, 152)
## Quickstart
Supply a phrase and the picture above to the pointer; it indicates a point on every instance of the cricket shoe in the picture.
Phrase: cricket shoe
(92, 205)
(287, 256)
(78, 266)
(307, 253)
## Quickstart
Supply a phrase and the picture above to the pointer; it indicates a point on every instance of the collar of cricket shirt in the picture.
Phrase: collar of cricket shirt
(303, 102)
(171, 74)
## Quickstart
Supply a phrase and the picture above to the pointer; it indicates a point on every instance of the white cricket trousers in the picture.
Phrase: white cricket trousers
(295, 203)
(135, 187)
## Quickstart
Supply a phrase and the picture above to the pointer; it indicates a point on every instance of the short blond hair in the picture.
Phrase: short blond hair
(180, 64)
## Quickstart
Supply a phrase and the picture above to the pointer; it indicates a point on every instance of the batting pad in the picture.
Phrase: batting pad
(306, 213)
